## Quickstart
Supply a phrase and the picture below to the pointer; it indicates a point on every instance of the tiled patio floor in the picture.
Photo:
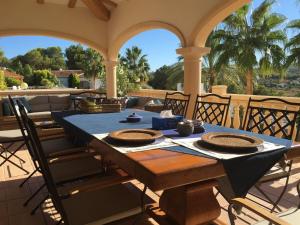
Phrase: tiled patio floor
(12, 197)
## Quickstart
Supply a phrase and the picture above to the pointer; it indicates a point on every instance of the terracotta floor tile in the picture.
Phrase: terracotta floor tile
(4, 221)
(26, 219)
(17, 192)
(15, 207)
(3, 210)
(12, 198)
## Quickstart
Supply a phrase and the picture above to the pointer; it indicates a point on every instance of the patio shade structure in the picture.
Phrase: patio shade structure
(107, 24)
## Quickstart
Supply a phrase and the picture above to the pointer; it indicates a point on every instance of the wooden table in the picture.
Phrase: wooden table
(187, 181)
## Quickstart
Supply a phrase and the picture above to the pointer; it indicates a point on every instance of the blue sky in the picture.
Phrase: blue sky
(158, 45)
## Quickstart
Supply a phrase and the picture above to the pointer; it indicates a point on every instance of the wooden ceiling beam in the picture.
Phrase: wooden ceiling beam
(98, 9)
(72, 3)
(110, 3)
(40, 1)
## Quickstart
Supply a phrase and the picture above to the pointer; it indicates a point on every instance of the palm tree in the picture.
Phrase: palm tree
(136, 64)
(254, 41)
(294, 44)
(92, 65)
(175, 72)
(212, 63)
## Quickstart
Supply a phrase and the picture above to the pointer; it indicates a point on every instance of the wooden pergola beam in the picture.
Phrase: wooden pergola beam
(72, 3)
(40, 1)
(98, 9)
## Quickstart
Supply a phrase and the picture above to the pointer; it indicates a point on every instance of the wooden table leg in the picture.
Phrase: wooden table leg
(192, 204)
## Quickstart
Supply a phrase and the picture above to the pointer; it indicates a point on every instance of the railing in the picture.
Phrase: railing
(54, 91)
(238, 104)
(153, 93)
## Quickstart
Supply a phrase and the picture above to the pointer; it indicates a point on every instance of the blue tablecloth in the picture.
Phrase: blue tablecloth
(242, 172)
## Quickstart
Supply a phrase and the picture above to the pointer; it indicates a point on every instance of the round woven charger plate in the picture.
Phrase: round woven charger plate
(231, 140)
(136, 135)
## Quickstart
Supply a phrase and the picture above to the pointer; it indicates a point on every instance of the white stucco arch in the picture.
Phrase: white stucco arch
(206, 25)
(139, 28)
(39, 32)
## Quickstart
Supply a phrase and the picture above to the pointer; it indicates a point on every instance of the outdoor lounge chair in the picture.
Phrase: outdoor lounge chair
(279, 121)
(99, 198)
(177, 102)
(212, 108)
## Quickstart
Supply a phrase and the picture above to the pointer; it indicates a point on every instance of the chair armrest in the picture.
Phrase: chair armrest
(50, 132)
(294, 152)
(259, 211)
(44, 137)
(70, 157)
(117, 177)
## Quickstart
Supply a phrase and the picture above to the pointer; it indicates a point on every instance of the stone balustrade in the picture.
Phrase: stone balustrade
(54, 91)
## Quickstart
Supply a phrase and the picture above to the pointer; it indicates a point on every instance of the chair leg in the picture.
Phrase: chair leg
(231, 216)
(267, 198)
(33, 195)
(39, 204)
(143, 195)
(16, 165)
(12, 154)
(28, 178)
(5, 149)
(275, 203)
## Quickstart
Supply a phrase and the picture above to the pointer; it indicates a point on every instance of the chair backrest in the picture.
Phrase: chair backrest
(212, 108)
(45, 169)
(18, 114)
(279, 120)
(177, 102)
(23, 118)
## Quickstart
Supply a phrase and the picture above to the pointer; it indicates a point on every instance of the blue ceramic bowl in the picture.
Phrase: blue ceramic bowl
(134, 118)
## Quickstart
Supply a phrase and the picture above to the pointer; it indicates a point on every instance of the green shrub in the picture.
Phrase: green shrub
(40, 76)
(3, 85)
(74, 80)
(47, 83)
(10, 81)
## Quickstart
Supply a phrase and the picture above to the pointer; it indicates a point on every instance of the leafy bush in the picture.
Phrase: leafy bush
(74, 80)
(124, 85)
(40, 76)
(3, 85)
(10, 81)
(47, 83)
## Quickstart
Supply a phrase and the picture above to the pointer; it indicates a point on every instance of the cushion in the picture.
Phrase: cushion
(59, 106)
(6, 105)
(35, 115)
(142, 101)
(132, 102)
(35, 100)
(59, 99)
(7, 136)
(40, 107)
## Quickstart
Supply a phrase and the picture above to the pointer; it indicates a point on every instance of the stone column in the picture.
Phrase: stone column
(111, 78)
(192, 72)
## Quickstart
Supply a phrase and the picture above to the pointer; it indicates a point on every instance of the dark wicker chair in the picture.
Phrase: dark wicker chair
(212, 108)
(68, 162)
(81, 202)
(177, 102)
(280, 120)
